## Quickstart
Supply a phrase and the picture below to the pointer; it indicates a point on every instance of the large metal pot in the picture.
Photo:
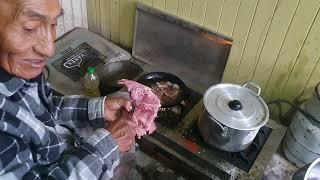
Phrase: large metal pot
(232, 116)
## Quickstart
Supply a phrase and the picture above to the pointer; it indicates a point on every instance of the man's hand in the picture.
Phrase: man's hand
(114, 105)
(123, 131)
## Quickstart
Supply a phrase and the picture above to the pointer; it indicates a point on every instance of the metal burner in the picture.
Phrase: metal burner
(170, 117)
(164, 109)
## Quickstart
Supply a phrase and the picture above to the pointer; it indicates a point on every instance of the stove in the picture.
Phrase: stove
(243, 159)
(198, 57)
(195, 55)
(178, 144)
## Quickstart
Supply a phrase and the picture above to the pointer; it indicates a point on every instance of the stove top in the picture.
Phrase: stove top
(243, 159)
(177, 144)
(172, 144)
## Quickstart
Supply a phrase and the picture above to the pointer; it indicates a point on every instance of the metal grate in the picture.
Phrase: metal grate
(75, 62)
(243, 159)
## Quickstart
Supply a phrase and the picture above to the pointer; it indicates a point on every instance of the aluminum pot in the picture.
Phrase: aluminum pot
(232, 116)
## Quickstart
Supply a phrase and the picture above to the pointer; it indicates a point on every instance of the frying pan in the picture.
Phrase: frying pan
(152, 78)
(112, 72)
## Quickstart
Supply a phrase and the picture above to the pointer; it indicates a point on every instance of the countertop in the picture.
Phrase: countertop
(279, 168)
(140, 166)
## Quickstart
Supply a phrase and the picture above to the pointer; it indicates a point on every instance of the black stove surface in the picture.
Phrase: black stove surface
(243, 159)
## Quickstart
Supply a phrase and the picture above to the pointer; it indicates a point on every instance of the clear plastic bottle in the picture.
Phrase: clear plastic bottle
(91, 83)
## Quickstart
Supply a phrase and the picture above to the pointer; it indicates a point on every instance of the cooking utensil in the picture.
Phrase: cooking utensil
(112, 72)
(308, 172)
(232, 116)
(152, 78)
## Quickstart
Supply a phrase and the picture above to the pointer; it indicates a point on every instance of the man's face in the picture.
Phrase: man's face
(27, 34)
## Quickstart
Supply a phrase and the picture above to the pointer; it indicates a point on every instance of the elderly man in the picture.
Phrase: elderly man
(38, 131)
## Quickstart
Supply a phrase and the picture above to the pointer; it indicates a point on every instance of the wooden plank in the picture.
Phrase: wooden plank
(184, 9)
(133, 13)
(312, 82)
(98, 18)
(91, 14)
(213, 14)
(292, 45)
(68, 15)
(148, 2)
(159, 4)
(127, 12)
(74, 16)
(124, 22)
(256, 39)
(115, 20)
(77, 13)
(198, 11)
(171, 6)
(307, 59)
(60, 25)
(105, 18)
(228, 16)
(240, 35)
(84, 14)
(276, 35)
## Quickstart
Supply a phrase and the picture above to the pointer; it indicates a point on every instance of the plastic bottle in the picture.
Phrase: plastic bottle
(91, 83)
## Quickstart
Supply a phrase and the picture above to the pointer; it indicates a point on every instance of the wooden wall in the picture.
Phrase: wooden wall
(276, 42)
(75, 15)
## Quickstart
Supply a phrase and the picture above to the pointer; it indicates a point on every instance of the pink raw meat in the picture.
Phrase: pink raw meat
(146, 105)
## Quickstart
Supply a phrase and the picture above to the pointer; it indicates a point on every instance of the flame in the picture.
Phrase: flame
(216, 39)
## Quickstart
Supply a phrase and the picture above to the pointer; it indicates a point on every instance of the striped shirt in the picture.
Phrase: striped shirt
(39, 133)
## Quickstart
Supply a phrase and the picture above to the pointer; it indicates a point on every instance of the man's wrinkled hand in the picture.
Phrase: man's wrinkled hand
(114, 106)
(123, 131)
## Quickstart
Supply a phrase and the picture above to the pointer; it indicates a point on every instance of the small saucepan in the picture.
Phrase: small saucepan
(155, 80)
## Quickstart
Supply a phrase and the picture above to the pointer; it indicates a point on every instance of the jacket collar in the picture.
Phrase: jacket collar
(9, 84)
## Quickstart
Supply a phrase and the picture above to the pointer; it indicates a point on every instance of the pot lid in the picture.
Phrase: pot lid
(236, 106)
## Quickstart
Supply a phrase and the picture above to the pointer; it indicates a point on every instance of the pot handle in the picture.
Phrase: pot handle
(252, 86)
(223, 129)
